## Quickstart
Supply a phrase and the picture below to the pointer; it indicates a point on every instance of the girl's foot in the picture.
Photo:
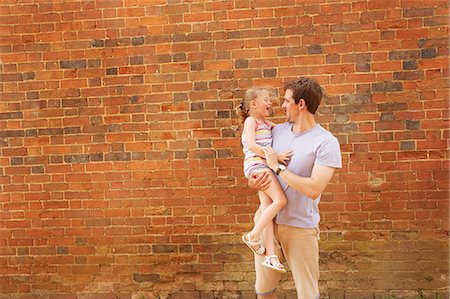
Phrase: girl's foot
(256, 247)
(273, 262)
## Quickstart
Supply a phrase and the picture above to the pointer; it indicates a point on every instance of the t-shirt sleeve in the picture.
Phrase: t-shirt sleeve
(329, 153)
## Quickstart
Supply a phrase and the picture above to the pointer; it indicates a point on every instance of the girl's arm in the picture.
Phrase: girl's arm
(249, 132)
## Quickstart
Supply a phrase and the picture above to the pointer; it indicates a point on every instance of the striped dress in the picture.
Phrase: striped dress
(263, 137)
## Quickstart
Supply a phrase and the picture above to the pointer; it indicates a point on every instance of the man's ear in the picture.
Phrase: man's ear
(301, 104)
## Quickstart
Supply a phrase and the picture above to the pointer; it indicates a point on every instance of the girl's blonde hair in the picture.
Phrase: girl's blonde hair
(252, 93)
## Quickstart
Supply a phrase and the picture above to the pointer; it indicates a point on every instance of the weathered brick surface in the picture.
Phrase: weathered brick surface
(120, 161)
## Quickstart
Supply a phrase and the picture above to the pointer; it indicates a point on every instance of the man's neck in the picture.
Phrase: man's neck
(304, 123)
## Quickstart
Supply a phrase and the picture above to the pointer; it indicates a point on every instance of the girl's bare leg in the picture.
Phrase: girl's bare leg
(267, 233)
(276, 201)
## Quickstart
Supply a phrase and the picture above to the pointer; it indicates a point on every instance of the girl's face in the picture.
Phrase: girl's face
(262, 105)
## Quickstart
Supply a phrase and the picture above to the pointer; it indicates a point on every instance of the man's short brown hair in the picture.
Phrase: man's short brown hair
(307, 89)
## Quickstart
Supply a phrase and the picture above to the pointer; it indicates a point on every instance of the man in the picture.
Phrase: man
(316, 154)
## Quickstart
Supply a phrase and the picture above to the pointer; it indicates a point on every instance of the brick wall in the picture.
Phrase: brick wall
(120, 161)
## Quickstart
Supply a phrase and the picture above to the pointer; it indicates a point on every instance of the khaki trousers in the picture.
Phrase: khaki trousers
(300, 248)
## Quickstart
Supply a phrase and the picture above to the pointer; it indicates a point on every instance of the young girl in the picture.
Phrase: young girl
(257, 133)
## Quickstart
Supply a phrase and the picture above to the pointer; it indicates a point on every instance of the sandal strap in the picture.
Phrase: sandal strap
(277, 263)
(252, 243)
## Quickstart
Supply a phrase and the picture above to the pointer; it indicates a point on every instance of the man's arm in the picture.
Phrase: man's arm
(310, 186)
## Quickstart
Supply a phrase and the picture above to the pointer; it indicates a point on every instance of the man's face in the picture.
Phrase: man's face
(290, 108)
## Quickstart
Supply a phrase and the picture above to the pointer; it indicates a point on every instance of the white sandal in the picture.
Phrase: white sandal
(273, 262)
(256, 247)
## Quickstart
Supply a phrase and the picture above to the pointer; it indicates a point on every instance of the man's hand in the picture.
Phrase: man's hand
(260, 181)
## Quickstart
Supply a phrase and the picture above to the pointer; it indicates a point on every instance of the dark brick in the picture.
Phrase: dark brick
(179, 38)
(164, 248)
(223, 55)
(270, 73)
(387, 116)
(387, 86)
(404, 235)
(199, 36)
(233, 34)
(197, 106)
(180, 155)
(56, 159)
(164, 58)
(417, 12)
(387, 35)
(202, 154)
(146, 277)
(136, 60)
(137, 41)
(11, 133)
(95, 82)
(29, 76)
(72, 130)
(223, 114)
(204, 143)
(226, 75)
(62, 250)
(412, 75)
(94, 63)
(241, 63)
(224, 153)
(228, 133)
(73, 64)
(412, 124)
(11, 115)
(96, 157)
(200, 86)
(180, 97)
(344, 128)
(138, 79)
(97, 43)
(407, 145)
(315, 49)
(288, 51)
(11, 77)
(197, 66)
(32, 95)
(363, 67)
(429, 53)
(123, 156)
(333, 58)
(118, 42)
(16, 161)
(137, 156)
(31, 132)
(73, 92)
(179, 57)
(37, 169)
(409, 65)
(112, 71)
(76, 158)
(23, 251)
(404, 55)
(185, 248)
(74, 102)
(392, 107)
(357, 99)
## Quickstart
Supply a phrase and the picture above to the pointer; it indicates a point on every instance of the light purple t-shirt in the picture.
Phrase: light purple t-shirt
(315, 146)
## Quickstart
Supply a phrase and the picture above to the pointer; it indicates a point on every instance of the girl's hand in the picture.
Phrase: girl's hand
(284, 157)
(271, 158)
